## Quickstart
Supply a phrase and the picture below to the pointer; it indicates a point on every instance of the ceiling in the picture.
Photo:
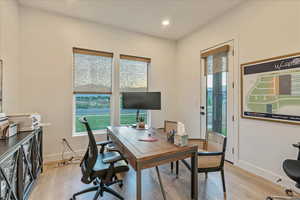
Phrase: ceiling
(143, 16)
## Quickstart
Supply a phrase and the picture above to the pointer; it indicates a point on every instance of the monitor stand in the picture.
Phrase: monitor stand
(136, 119)
(137, 115)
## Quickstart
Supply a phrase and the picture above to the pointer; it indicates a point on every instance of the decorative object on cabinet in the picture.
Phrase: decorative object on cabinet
(4, 125)
(26, 122)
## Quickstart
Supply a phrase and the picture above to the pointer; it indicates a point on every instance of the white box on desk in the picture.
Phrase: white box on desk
(181, 140)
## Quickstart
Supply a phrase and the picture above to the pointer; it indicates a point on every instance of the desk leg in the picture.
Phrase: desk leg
(139, 184)
(194, 176)
(160, 183)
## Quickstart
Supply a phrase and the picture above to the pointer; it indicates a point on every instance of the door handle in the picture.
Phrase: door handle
(202, 113)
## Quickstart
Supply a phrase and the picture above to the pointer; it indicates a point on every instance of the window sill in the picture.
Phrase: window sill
(98, 132)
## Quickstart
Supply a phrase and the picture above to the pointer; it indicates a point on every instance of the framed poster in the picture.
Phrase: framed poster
(1, 86)
(270, 89)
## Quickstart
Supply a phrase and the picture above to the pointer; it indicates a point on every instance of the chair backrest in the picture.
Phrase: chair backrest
(216, 143)
(170, 126)
(90, 156)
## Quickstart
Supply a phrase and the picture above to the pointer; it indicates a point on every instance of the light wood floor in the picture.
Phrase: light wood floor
(59, 183)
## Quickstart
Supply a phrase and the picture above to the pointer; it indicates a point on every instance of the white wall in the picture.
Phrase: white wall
(46, 75)
(261, 29)
(9, 53)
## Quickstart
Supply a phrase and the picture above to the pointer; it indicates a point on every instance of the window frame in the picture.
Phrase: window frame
(76, 50)
(134, 58)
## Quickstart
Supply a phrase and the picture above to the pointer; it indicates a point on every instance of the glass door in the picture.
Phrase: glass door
(216, 93)
(217, 96)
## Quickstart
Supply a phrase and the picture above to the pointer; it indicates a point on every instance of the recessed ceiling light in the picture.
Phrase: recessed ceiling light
(165, 22)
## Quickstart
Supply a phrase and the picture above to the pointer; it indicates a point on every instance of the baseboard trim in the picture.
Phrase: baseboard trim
(51, 158)
(266, 174)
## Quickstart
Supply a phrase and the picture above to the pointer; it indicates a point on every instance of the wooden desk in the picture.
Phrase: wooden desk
(142, 155)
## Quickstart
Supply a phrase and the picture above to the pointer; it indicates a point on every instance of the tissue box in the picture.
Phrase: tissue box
(181, 140)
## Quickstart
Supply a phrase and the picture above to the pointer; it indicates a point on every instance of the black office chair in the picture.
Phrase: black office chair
(100, 168)
(292, 170)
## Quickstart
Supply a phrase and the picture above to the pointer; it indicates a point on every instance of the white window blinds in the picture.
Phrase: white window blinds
(92, 71)
(216, 59)
(133, 73)
(217, 63)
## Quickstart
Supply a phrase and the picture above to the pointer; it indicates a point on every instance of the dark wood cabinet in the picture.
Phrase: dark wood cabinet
(21, 161)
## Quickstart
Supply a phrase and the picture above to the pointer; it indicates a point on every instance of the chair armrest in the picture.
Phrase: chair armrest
(297, 145)
(103, 144)
(111, 147)
(113, 159)
(210, 153)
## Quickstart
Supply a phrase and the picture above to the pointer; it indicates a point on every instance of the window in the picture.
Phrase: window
(92, 88)
(133, 78)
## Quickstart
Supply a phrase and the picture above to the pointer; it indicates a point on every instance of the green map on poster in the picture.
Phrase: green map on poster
(272, 92)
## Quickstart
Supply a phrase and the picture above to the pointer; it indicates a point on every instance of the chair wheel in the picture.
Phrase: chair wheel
(269, 198)
(289, 192)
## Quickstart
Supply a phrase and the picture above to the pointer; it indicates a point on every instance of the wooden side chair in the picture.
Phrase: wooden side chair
(211, 158)
(170, 126)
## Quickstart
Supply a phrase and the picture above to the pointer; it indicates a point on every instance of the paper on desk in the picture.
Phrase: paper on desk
(148, 139)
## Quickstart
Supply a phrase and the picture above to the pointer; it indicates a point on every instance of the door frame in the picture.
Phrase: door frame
(235, 95)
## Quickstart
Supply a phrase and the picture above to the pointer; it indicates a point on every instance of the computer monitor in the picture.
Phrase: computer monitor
(141, 101)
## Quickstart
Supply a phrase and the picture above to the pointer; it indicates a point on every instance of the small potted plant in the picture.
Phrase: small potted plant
(141, 123)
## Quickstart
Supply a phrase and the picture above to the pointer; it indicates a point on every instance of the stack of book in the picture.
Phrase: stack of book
(7, 128)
